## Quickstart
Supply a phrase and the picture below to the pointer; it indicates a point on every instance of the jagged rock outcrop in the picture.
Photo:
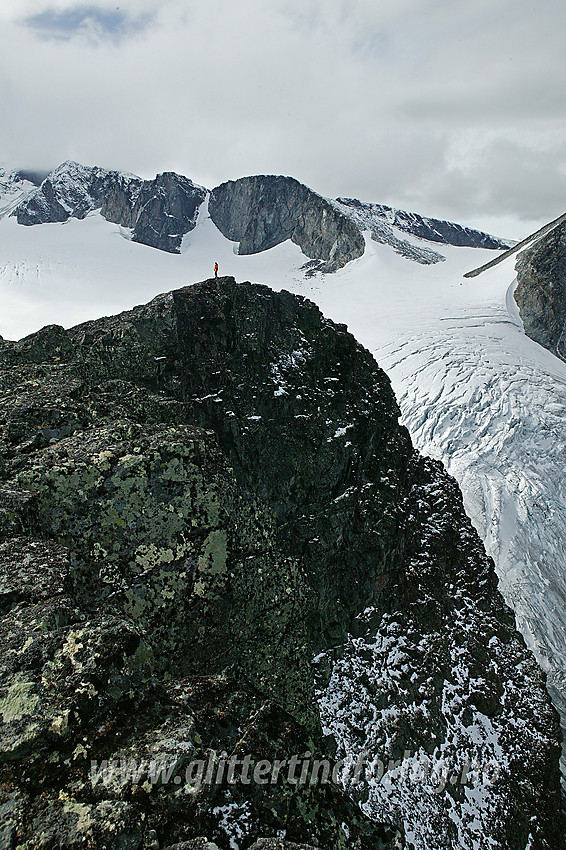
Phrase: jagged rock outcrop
(158, 211)
(197, 496)
(262, 211)
(382, 231)
(165, 209)
(431, 229)
(67, 192)
(541, 290)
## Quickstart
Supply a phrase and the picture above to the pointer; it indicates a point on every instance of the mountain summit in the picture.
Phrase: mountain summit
(199, 497)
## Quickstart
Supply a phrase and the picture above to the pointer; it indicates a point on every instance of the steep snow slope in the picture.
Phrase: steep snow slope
(474, 390)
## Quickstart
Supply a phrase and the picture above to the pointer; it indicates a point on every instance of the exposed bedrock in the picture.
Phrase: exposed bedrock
(159, 212)
(262, 211)
(196, 498)
(541, 290)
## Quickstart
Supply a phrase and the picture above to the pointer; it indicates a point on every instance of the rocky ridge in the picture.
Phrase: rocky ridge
(263, 211)
(429, 229)
(257, 212)
(198, 496)
(15, 186)
(159, 212)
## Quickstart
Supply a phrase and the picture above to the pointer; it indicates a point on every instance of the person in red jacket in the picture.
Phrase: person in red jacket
(215, 269)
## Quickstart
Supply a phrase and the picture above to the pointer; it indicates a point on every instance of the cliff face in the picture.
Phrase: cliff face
(541, 290)
(197, 497)
(159, 211)
(260, 212)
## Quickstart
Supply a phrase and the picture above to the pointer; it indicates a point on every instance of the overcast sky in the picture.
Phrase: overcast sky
(453, 108)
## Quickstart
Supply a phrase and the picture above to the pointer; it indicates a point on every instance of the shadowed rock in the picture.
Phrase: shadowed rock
(198, 496)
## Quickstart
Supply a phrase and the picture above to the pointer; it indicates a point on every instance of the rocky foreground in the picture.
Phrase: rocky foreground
(197, 498)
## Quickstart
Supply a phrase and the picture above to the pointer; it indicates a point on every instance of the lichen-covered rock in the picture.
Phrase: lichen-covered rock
(62, 822)
(157, 526)
(307, 419)
(277, 844)
(197, 497)
(58, 666)
(262, 211)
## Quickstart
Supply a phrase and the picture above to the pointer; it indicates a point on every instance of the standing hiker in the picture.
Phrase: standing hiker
(215, 269)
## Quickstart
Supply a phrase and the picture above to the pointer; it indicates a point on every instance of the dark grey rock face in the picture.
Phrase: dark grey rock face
(116, 194)
(541, 290)
(35, 177)
(158, 211)
(165, 209)
(197, 496)
(431, 229)
(263, 211)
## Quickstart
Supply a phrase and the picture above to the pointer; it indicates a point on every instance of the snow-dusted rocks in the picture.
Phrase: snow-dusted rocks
(382, 231)
(15, 186)
(430, 229)
(220, 489)
(431, 703)
(68, 191)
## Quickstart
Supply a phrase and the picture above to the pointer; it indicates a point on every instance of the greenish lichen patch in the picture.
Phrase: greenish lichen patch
(18, 699)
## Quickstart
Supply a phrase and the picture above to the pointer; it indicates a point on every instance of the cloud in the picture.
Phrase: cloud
(442, 106)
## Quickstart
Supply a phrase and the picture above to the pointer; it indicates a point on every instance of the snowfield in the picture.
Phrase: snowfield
(474, 391)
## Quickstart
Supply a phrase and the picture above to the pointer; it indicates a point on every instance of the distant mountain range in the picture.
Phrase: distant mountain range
(258, 212)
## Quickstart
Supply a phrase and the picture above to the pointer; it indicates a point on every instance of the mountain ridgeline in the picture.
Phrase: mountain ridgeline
(159, 212)
(257, 212)
(198, 497)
